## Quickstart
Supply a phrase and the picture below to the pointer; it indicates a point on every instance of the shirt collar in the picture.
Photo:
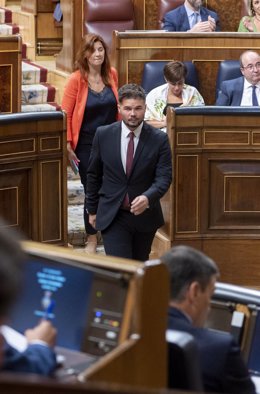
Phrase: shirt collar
(247, 84)
(126, 131)
(190, 12)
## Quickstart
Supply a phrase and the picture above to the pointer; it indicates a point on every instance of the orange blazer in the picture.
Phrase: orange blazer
(74, 102)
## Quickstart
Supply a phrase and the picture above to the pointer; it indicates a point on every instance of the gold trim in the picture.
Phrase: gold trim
(236, 176)
(17, 205)
(21, 152)
(41, 206)
(52, 149)
(253, 133)
(197, 196)
(176, 46)
(226, 132)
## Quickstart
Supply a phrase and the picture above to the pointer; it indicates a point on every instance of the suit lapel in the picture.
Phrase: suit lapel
(117, 141)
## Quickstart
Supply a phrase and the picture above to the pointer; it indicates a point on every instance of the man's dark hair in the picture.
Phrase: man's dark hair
(11, 268)
(187, 265)
(131, 91)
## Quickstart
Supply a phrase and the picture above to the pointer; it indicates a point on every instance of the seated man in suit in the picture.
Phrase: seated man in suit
(245, 90)
(191, 17)
(39, 356)
(192, 280)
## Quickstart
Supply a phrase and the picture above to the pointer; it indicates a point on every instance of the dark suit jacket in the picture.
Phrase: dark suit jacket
(36, 358)
(223, 370)
(231, 92)
(107, 182)
(177, 19)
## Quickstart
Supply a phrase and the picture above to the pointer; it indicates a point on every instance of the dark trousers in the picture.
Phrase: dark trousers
(83, 154)
(123, 239)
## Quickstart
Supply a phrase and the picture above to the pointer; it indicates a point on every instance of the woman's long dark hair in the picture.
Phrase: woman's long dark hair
(81, 63)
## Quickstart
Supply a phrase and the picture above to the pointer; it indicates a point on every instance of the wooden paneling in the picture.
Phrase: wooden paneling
(33, 175)
(206, 50)
(214, 200)
(10, 73)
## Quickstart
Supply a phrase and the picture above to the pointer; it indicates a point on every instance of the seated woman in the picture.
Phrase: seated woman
(251, 22)
(174, 93)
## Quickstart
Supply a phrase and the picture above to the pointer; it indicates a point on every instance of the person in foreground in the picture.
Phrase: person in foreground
(191, 17)
(174, 92)
(244, 90)
(192, 279)
(251, 22)
(39, 356)
(90, 100)
(129, 171)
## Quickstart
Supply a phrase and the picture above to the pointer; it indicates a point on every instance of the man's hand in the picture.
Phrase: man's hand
(92, 220)
(139, 205)
(202, 27)
(43, 332)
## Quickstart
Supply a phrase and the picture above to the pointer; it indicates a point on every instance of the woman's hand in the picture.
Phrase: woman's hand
(71, 154)
(248, 24)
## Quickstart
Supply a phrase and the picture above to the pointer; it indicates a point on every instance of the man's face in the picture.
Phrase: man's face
(194, 4)
(132, 112)
(251, 67)
(202, 305)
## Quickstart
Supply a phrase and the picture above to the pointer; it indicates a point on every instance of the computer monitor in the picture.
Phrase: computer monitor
(85, 303)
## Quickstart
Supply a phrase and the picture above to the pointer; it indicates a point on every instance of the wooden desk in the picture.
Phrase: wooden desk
(214, 200)
(133, 298)
(10, 73)
(205, 50)
(33, 175)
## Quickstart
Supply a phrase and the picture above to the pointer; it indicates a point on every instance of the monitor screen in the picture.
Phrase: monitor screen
(85, 304)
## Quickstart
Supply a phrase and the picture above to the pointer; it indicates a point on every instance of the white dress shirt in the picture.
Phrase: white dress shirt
(247, 94)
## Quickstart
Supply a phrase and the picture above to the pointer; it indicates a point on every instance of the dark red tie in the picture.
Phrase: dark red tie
(129, 162)
(129, 154)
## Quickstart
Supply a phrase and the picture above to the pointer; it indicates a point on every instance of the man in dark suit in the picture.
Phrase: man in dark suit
(240, 91)
(192, 280)
(192, 17)
(39, 356)
(123, 197)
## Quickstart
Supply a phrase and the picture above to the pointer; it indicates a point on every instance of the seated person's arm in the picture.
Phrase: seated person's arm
(246, 25)
(38, 357)
(168, 23)
(236, 378)
(155, 105)
(223, 97)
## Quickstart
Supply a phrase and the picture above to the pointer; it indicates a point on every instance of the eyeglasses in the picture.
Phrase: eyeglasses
(250, 67)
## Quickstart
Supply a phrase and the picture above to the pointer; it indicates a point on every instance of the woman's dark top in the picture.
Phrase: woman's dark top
(173, 105)
(101, 109)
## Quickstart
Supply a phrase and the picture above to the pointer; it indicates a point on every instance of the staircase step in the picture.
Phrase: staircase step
(5, 15)
(40, 93)
(75, 192)
(40, 107)
(8, 29)
(33, 73)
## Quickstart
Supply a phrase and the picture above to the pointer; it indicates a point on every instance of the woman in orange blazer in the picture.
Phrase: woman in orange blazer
(90, 100)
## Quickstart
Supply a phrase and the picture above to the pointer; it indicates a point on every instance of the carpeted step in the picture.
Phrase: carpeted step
(40, 107)
(8, 29)
(33, 73)
(41, 93)
(5, 15)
